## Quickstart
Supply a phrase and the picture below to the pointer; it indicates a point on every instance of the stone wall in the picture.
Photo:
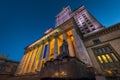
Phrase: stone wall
(109, 36)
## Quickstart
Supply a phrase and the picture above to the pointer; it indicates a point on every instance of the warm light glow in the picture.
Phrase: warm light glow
(69, 33)
(22, 63)
(51, 55)
(114, 57)
(27, 62)
(38, 55)
(104, 58)
(74, 45)
(42, 63)
(109, 72)
(60, 74)
(99, 58)
(60, 41)
(109, 58)
(32, 59)
(56, 74)
(63, 73)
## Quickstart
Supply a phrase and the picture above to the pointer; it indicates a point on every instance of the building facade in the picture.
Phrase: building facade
(7, 67)
(85, 21)
(87, 40)
(104, 50)
(48, 48)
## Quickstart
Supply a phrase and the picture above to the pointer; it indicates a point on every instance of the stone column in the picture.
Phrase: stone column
(37, 64)
(64, 36)
(70, 47)
(48, 51)
(34, 62)
(82, 53)
(32, 59)
(56, 48)
(20, 66)
(27, 64)
(40, 58)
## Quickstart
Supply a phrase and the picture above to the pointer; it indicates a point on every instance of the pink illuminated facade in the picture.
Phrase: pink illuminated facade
(63, 16)
(86, 22)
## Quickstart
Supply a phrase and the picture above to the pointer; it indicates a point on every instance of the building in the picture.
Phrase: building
(85, 21)
(7, 67)
(104, 50)
(87, 40)
(48, 47)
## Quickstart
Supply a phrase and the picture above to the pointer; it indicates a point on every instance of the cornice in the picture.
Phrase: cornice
(103, 32)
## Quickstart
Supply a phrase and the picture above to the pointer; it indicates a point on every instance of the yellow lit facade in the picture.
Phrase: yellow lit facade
(87, 39)
(45, 48)
(60, 41)
(51, 55)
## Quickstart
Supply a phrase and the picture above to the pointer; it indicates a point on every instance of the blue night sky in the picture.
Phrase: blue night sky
(24, 21)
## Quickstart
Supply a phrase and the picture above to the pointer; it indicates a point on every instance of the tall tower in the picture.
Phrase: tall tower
(85, 21)
(63, 16)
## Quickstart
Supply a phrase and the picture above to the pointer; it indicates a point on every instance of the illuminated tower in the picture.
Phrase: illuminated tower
(63, 16)
(86, 22)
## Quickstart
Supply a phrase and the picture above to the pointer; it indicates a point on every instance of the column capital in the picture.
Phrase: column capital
(64, 36)
(56, 36)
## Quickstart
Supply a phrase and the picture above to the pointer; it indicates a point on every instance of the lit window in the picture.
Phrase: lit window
(114, 56)
(109, 58)
(100, 59)
(104, 58)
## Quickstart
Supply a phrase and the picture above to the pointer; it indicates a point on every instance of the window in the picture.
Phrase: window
(109, 58)
(91, 25)
(93, 29)
(100, 59)
(87, 20)
(45, 51)
(83, 23)
(88, 31)
(86, 27)
(106, 56)
(83, 32)
(96, 41)
(83, 15)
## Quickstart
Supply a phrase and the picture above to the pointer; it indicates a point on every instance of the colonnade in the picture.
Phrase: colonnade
(35, 58)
